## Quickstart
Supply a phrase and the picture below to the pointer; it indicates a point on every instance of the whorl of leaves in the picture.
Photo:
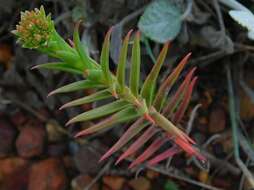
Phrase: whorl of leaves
(154, 115)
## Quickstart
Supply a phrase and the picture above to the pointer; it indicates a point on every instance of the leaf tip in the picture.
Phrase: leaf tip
(34, 67)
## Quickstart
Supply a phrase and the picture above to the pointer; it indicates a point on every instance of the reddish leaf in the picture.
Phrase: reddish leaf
(133, 130)
(169, 108)
(186, 99)
(169, 82)
(149, 151)
(138, 143)
(168, 153)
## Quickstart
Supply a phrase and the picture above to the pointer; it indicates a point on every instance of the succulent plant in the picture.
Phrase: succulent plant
(153, 115)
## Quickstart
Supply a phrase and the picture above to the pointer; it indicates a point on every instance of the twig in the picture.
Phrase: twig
(192, 117)
(207, 59)
(220, 17)
(243, 47)
(234, 126)
(183, 178)
(28, 109)
(99, 175)
(243, 177)
(221, 163)
(132, 15)
(211, 139)
(188, 10)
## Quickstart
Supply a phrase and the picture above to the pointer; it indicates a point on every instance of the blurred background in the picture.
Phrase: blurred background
(38, 153)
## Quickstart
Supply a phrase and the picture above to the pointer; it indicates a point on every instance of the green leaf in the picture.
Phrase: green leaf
(60, 66)
(94, 75)
(86, 60)
(161, 21)
(135, 66)
(127, 114)
(120, 74)
(104, 59)
(88, 99)
(148, 87)
(100, 111)
(168, 83)
(67, 56)
(80, 85)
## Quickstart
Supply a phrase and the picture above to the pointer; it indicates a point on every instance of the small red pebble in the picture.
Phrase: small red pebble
(47, 175)
(31, 141)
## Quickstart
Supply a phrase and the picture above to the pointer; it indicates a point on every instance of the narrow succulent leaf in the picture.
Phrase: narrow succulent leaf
(127, 114)
(104, 59)
(100, 111)
(189, 148)
(135, 66)
(164, 155)
(148, 87)
(100, 95)
(120, 74)
(81, 51)
(67, 56)
(148, 134)
(169, 82)
(167, 125)
(186, 99)
(174, 101)
(60, 66)
(80, 85)
(157, 143)
(132, 131)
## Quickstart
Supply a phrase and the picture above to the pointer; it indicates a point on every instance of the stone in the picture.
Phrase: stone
(114, 182)
(140, 183)
(31, 141)
(14, 173)
(48, 175)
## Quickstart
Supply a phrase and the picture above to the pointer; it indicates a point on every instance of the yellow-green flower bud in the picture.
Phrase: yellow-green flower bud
(34, 29)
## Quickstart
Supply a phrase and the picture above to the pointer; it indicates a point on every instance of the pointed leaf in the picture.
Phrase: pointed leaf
(186, 99)
(122, 61)
(157, 143)
(148, 88)
(100, 111)
(132, 131)
(104, 59)
(86, 60)
(164, 155)
(88, 99)
(80, 85)
(60, 66)
(135, 66)
(149, 133)
(168, 83)
(127, 114)
(175, 100)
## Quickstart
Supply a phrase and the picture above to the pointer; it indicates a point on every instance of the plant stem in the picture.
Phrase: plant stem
(234, 126)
